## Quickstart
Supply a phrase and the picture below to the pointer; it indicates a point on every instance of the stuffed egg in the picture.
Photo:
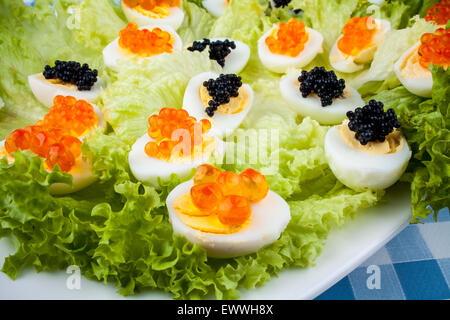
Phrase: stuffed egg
(319, 94)
(412, 69)
(228, 214)
(231, 55)
(289, 45)
(142, 43)
(358, 43)
(148, 12)
(57, 139)
(367, 151)
(222, 99)
(215, 7)
(176, 143)
(66, 78)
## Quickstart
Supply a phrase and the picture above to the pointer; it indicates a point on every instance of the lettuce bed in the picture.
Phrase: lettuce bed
(117, 230)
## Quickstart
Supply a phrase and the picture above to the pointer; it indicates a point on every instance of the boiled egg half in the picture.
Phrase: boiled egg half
(146, 13)
(216, 7)
(356, 47)
(289, 45)
(228, 221)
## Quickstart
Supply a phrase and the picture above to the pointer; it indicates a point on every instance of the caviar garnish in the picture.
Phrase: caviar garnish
(357, 35)
(281, 3)
(435, 48)
(371, 123)
(72, 72)
(439, 13)
(221, 90)
(151, 4)
(218, 50)
(323, 83)
(288, 39)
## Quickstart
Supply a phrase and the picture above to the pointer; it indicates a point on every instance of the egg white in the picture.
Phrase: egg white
(420, 86)
(215, 7)
(151, 170)
(359, 170)
(112, 52)
(269, 218)
(175, 18)
(221, 124)
(280, 63)
(349, 64)
(45, 91)
(311, 105)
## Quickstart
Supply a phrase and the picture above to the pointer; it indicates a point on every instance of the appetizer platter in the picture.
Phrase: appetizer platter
(216, 149)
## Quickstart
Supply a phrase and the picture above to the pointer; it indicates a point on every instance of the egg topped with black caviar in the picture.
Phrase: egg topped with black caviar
(222, 99)
(227, 213)
(175, 143)
(231, 55)
(279, 3)
(66, 78)
(289, 45)
(319, 94)
(57, 139)
(357, 45)
(367, 151)
(151, 12)
(412, 69)
(141, 43)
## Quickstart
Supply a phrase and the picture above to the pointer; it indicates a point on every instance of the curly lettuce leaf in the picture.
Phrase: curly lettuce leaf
(197, 23)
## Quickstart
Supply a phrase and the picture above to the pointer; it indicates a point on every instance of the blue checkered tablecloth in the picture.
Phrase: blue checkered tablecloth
(415, 265)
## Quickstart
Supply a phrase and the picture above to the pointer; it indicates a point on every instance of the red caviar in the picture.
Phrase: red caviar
(435, 48)
(151, 4)
(439, 13)
(227, 193)
(288, 39)
(145, 43)
(357, 35)
(170, 129)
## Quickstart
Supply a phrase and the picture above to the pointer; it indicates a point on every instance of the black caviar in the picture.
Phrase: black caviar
(323, 83)
(72, 72)
(221, 90)
(218, 50)
(281, 3)
(371, 123)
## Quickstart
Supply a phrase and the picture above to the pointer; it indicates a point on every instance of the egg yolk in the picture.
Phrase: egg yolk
(357, 35)
(236, 104)
(435, 48)
(220, 201)
(153, 8)
(55, 138)
(145, 43)
(177, 135)
(288, 38)
(439, 13)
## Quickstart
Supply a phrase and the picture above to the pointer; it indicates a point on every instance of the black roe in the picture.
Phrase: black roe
(323, 83)
(281, 3)
(371, 123)
(218, 50)
(221, 90)
(72, 72)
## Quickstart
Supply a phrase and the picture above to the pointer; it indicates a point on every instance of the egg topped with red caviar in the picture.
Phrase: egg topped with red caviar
(57, 138)
(289, 45)
(144, 43)
(151, 12)
(358, 43)
(175, 143)
(228, 214)
(439, 13)
(412, 68)
(216, 7)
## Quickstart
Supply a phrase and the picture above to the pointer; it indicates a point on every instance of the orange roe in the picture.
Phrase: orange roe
(357, 35)
(288, 39)
(439, 13)
(151, 4)
(227, 193)
(145, 43)
(55, 138)
(171, 123)
(435, 48)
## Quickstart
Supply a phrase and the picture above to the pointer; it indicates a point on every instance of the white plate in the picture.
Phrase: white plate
(345, 250)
